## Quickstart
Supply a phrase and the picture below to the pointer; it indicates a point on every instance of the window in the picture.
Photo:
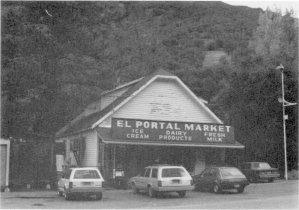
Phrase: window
(86, 174)
(173, 172)
(230, 172)
(206, 173)
(265, 166)
(213, 172)
(154, 173)
(147, 172)
(143, 172)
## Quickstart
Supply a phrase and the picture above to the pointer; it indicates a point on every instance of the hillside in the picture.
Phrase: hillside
(55, 63)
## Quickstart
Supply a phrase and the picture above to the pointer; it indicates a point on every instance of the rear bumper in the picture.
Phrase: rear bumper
(85, 190)
(175, 188)
(269, 176)
(232, 185)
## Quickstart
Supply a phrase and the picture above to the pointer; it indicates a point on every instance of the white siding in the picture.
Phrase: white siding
(91, 150)
(164, 100)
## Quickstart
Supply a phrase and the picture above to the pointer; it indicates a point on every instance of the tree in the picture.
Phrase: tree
(255, 87)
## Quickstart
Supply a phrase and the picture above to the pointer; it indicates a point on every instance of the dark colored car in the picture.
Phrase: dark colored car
(217, 179)
(257, 171)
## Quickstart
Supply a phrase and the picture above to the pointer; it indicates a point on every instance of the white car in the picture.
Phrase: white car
(157, 179)
(81, 181)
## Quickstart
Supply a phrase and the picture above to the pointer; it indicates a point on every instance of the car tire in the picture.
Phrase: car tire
(151, 192)
(182, 193)
(99, 196)
(67, 195)
(240, 189)
(216, 188)
(271, 180)
(134, 188)
(60, 193)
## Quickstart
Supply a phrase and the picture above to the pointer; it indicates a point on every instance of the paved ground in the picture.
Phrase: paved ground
(277, 195)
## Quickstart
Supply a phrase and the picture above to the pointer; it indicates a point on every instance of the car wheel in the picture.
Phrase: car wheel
(240, 189)
(67, 195)
(99, 196)
(271, 180)
(182, 194)
(60, 193)
(216, 188)
(135, 190)
(151, 192)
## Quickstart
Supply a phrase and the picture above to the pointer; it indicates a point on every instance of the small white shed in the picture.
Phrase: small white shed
(5, 154)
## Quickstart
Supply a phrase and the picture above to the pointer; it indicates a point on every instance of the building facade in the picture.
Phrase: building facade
(155, 119)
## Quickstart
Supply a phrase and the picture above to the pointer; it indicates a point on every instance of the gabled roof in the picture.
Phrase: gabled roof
(86, 123)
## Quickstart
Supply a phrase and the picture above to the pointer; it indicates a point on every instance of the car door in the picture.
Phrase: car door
(63, 182)
(211, 179)
(139, 179)
(146, 178)
(154, 177)
(202, 181)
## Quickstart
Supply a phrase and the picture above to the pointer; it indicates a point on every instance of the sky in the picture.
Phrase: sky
(272, 4)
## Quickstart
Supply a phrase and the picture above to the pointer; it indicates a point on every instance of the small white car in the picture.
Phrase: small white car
(81, 181)
(157, 179)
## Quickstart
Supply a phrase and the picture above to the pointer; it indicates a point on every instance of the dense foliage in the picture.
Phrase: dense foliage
(57, 57)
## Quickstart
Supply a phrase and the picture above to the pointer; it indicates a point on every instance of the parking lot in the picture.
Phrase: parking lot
(277, 195)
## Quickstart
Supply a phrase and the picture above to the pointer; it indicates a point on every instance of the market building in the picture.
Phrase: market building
(154, 119)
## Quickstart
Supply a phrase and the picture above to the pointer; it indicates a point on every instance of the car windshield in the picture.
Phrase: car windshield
(173, 172)
(262, 165)
(86, 174)
(230, 172)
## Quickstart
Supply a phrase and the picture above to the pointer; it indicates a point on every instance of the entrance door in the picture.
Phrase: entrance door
(3, 165)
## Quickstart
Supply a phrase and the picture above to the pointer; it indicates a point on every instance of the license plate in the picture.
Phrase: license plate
(86, 183)
(176, 181)
(236, 185)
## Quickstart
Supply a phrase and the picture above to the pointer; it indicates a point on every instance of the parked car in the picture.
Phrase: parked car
(217, 179)
(157, 179)
(81, 181)
(256, 171)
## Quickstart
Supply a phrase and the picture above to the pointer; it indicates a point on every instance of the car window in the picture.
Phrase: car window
(67, 174)
(154, 173)
(213, 172)
(206, 173)
(147, 172)
(173, 172)
(264, 165)
(230, 172)
(143, 172)
(86, 174)
(255, 165)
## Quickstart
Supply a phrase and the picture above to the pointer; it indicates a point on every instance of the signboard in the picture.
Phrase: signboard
(171, 131)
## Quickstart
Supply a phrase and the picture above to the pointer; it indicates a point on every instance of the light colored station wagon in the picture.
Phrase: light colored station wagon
(157, 179)
(81, 181)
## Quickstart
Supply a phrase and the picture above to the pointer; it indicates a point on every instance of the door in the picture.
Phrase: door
(203, 179)
(3, 165)
(140, 179)
(211, 178)
(146, 178)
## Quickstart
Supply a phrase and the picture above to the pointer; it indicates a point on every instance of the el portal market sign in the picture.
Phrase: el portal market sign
(132, 129)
